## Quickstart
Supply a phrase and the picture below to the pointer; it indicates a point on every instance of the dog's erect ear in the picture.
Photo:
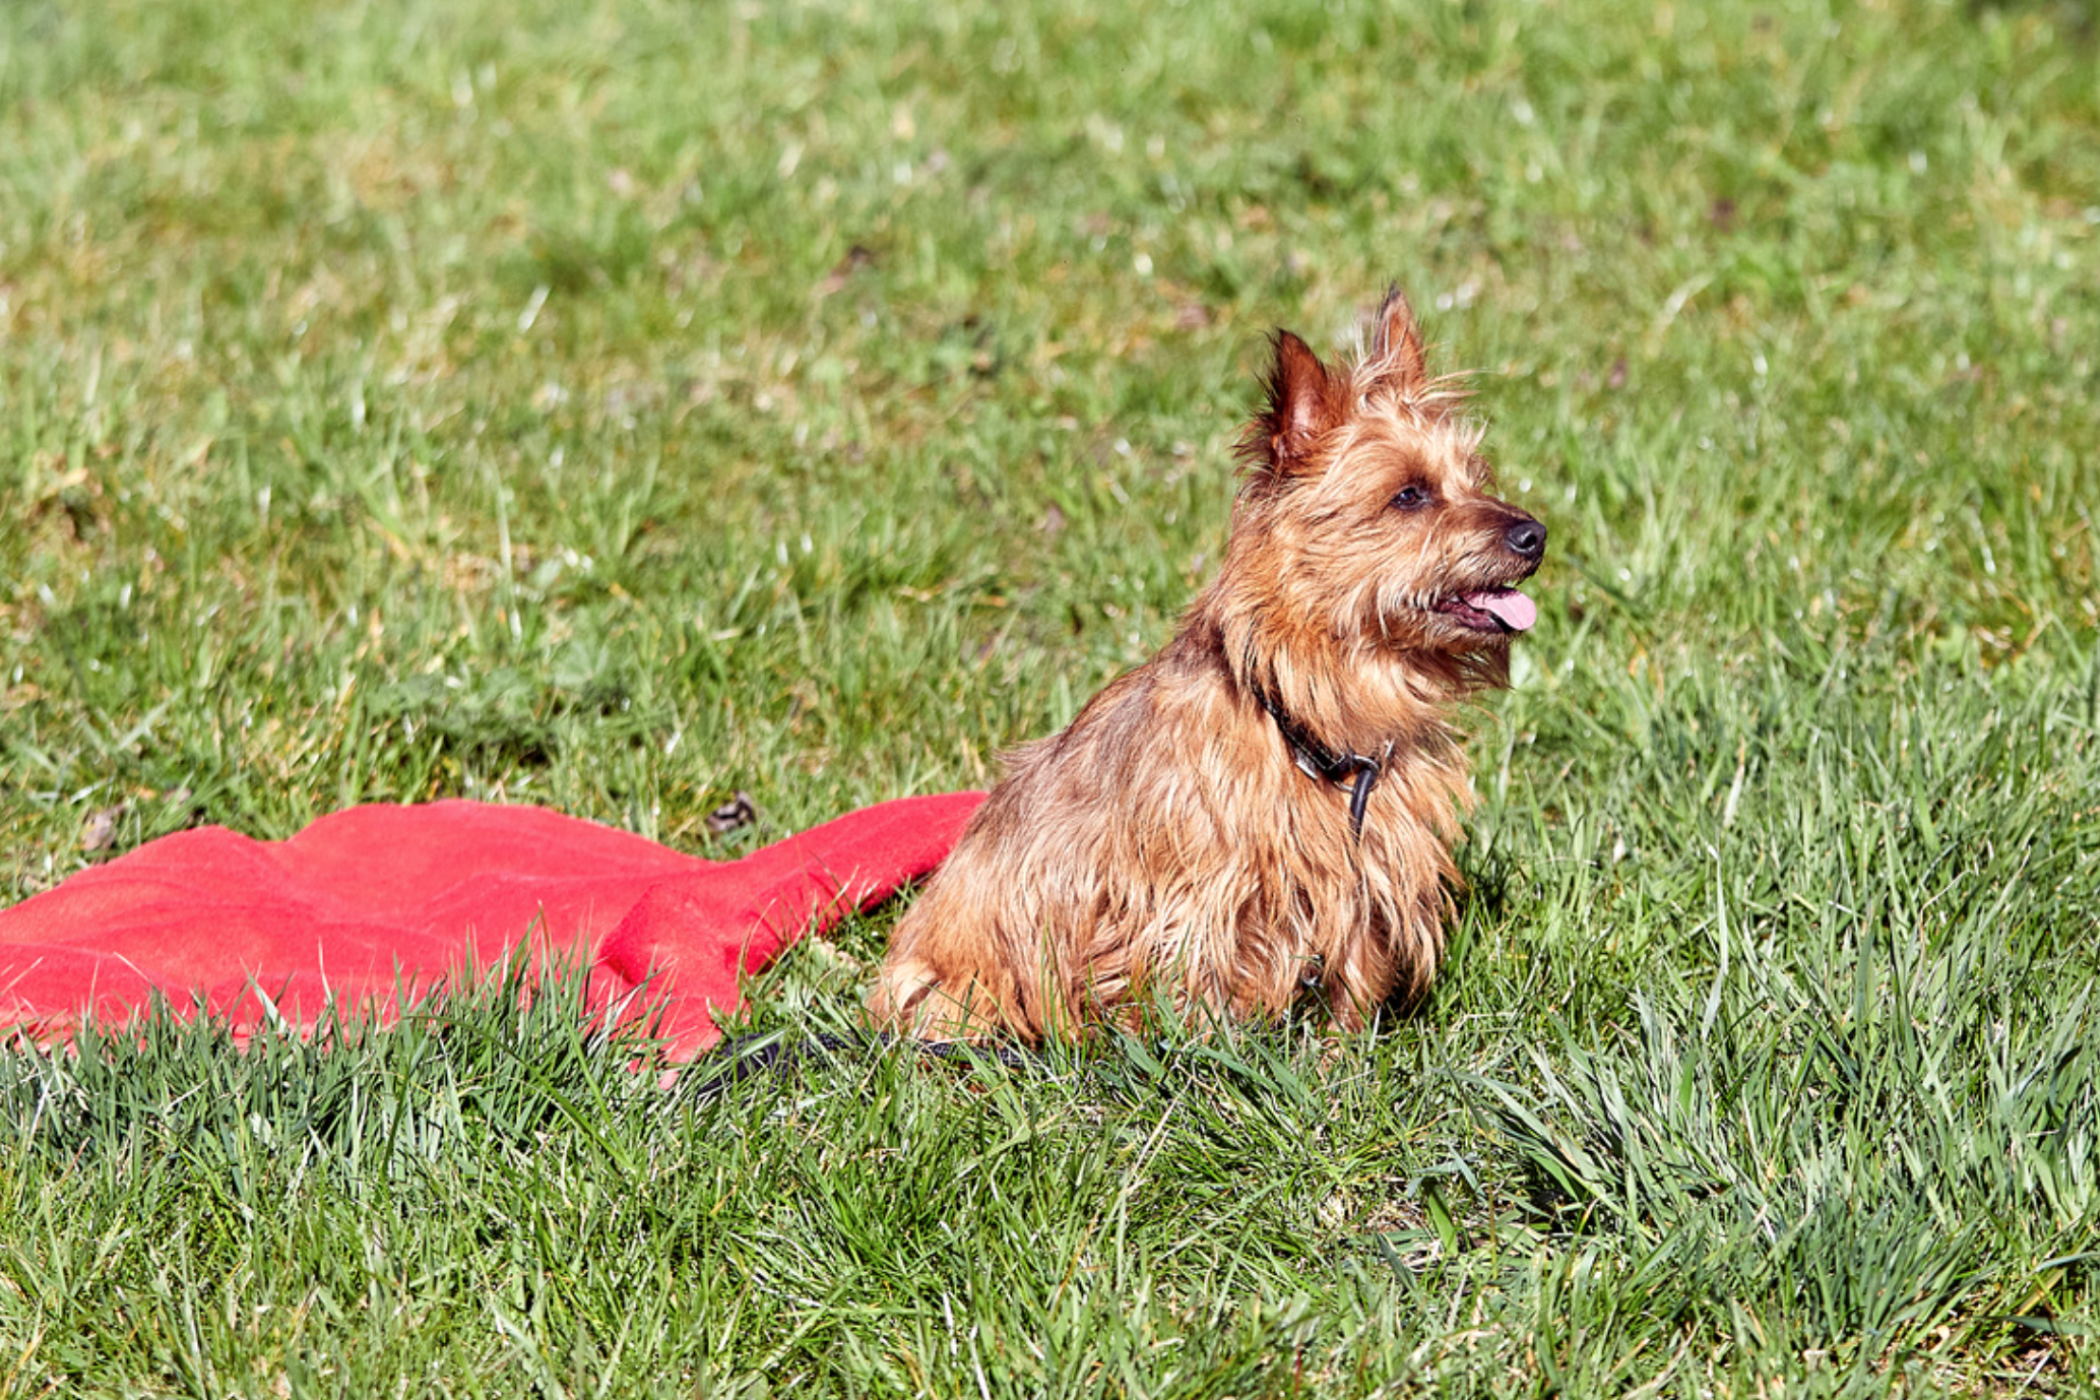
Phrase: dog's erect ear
(1395, 362)
(1304, 400)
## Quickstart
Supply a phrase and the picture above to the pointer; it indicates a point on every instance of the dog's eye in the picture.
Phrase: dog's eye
(1411, 498)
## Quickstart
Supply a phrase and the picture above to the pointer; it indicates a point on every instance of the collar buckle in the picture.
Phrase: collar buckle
(1358, 772)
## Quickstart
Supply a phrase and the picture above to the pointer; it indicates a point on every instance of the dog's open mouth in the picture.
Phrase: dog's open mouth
(1491, 610)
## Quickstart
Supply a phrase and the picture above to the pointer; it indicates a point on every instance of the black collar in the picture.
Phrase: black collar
(1359, 772)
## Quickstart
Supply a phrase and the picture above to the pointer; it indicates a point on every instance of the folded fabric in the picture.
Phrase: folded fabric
(374, 907)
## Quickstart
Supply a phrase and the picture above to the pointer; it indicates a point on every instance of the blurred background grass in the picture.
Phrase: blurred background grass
(620, 405)
(400, 398)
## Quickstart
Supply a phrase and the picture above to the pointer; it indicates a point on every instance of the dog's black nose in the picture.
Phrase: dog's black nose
(1526, 537)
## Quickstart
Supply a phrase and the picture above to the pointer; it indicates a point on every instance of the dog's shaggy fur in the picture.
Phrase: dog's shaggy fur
(1200, 832)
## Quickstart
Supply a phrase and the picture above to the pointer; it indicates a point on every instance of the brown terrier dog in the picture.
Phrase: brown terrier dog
(1264, 810)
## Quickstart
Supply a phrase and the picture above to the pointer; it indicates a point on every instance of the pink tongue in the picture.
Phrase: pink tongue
(1516, 611)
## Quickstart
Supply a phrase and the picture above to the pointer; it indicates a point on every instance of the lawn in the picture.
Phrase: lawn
(619, 405)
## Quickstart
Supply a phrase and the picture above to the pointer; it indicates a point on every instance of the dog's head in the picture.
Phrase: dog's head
(1367, 506)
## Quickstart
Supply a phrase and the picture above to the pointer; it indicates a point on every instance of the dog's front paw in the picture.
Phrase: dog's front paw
(912, 997)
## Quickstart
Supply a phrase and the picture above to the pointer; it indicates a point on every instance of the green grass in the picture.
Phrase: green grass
(402, 400)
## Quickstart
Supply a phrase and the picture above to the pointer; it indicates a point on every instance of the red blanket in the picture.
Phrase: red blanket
(376, 905)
